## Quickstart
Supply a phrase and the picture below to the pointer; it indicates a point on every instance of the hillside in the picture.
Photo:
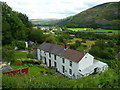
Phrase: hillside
(101, 16)
(44, 22)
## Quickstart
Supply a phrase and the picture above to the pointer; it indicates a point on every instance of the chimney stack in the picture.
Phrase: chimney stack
(67, 46)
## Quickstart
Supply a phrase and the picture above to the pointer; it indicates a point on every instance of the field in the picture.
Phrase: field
(88, 44)
(76, 29)
(104, 31)
(97, 31)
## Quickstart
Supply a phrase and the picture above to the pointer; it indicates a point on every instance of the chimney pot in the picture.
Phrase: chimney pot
(67, 46)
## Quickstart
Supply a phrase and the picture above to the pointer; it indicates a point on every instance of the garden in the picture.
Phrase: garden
(40, 76)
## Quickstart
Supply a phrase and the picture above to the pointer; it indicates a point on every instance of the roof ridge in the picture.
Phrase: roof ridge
(53, 44)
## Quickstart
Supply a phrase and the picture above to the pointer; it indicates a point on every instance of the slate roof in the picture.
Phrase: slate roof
(72, 55)
(51, 48)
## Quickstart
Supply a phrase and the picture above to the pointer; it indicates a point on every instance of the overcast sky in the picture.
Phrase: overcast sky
(36, 9)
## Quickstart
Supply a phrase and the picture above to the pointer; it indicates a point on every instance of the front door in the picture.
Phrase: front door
(49, 63)
(45, 61)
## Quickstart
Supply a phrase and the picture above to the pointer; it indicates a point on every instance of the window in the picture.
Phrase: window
(63, 60)
(55, 57)
(71, 63)
(49, 55)
(70, 71)
(63, 68)
(45, 60)
(55, 64)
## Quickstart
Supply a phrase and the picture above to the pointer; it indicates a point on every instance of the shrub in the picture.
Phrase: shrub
(18, 62)
(30, 55)
(19, 44)
(83, 41)
(50, 72)
(30, 61)
(84, 45)
(43, 66)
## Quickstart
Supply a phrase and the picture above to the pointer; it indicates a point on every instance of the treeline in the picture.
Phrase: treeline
(15, 25)
(94, 36)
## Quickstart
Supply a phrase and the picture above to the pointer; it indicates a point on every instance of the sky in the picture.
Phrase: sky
(41, 9)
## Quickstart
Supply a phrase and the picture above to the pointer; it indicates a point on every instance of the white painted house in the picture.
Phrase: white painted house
(71, 63)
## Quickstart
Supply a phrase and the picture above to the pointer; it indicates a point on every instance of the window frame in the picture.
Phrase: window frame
(71, 63)
(63, 60)
(70, 71)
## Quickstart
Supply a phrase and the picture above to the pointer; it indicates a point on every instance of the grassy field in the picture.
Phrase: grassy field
(104, 31)
(76, 29)
(20, 55)
(97, 31)
(41, 78)
(88, 43)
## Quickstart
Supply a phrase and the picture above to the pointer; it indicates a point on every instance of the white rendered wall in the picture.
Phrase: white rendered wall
(38, 54)
(74, 67)
(86, 61)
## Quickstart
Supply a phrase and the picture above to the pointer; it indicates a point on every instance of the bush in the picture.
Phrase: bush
(18, 62)
(30, 55)
(50, 72)
(8, 54)
(19, 44)
(30, 61)
(84, 45)
(43, 66)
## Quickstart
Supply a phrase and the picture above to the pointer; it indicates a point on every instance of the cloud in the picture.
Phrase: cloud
(52, 8)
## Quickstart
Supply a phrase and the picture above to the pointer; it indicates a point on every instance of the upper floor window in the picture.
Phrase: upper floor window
(63, 60)
(71, 63)
(55, 57)
(49, 55)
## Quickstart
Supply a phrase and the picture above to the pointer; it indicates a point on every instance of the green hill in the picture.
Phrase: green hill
(101, 16)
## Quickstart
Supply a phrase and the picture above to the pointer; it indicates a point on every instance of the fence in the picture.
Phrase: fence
(14, 72)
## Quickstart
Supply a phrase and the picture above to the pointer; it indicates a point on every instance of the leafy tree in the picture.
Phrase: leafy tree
(51, 39)
(8, 54)
(77, 43)
(37, 35)
(15, 25)
(19, 44)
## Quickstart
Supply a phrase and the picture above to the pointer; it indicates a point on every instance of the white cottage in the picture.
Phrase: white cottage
(71, 63)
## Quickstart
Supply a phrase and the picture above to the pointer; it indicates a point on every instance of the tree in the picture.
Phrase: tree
(8, 54)
(51, 39)
(19, 44)
(37, 35)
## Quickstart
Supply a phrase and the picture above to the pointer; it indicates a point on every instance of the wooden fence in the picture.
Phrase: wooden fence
(14, 72)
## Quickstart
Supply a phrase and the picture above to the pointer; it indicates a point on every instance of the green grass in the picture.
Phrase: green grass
(32, 70)
(20, 55)
(76, 29)
(104, 31)
(99, 31)
(36, 79)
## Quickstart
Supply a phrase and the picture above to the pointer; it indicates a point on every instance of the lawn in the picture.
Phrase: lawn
(20, 55)
(76, 29)
(96, 30)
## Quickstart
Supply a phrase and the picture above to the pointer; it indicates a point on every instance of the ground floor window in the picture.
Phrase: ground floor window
(45, 61)
(63, 68)
(70, 71)
(55, 64)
